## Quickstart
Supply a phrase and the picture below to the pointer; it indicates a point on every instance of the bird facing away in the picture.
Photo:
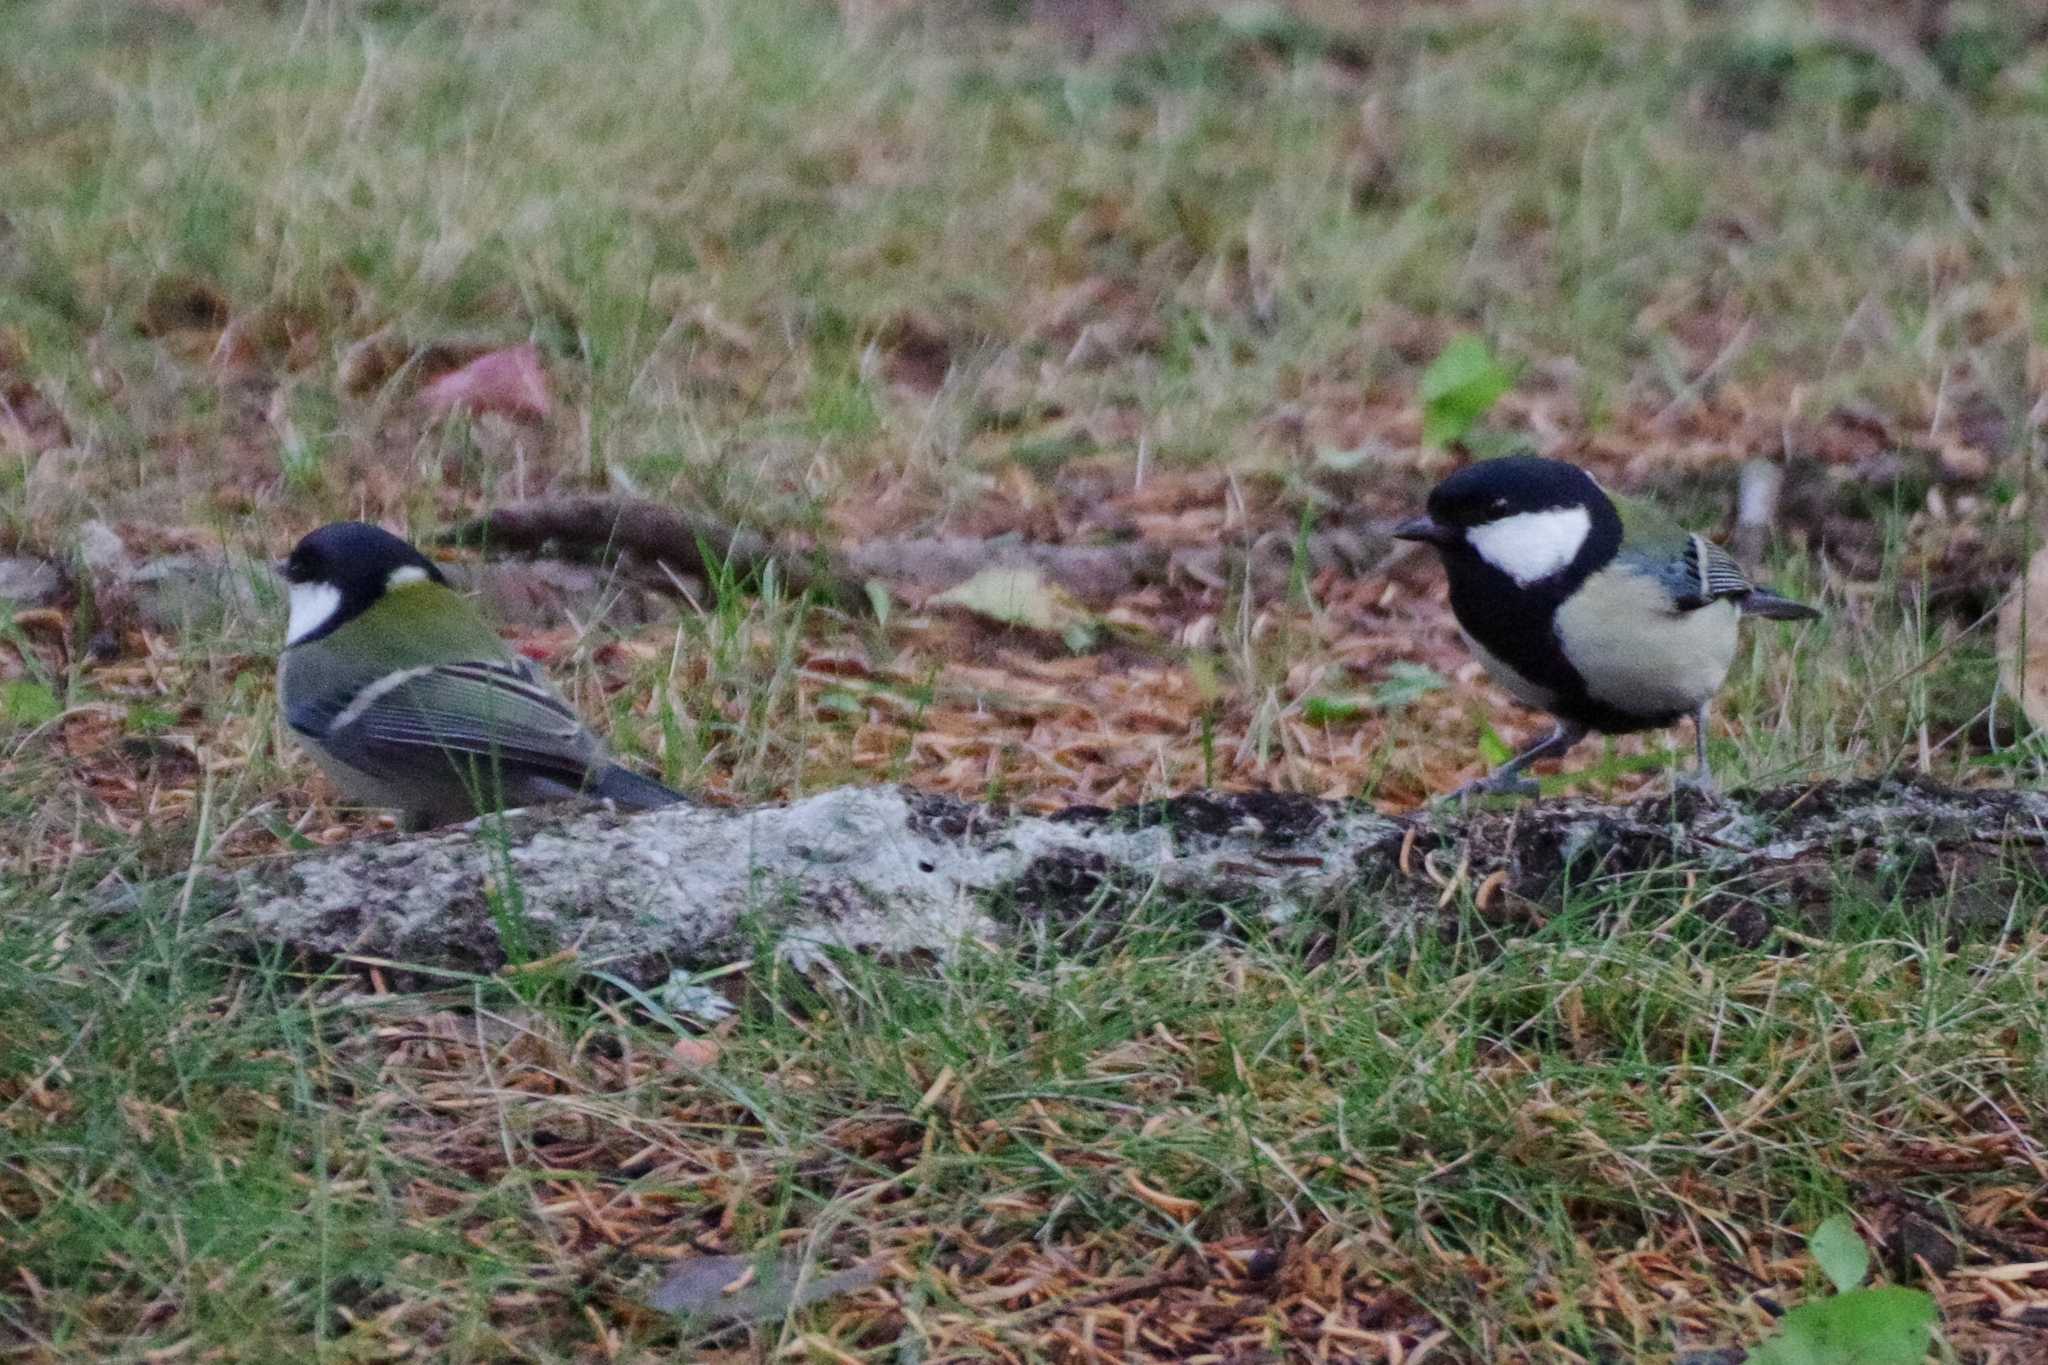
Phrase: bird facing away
(408, 700)
(1599, 610)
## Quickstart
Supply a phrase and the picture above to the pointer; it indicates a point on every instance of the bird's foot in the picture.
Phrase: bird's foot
(1692, 793)
(1700, 784)
(1508, 785)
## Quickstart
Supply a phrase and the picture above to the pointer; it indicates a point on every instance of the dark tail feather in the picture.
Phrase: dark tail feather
(1776, 608)
(631, 790)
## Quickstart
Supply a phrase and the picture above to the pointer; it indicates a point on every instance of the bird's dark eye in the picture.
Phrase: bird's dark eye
(1498, 505)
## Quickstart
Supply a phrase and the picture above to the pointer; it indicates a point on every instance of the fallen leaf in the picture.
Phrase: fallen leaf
(1965, 463)
(370, 361)
(1841, 1254)
(1172, 1205)
(510, 382)
(1405, 682)
(179, 303)
(695, 1053)
(1889, 1326)
(1022, 597)
(694, 999)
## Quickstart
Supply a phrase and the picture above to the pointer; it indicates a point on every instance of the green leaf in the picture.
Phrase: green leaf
(1405, 682)
(289, 837)
(840, 704)
(1459, 386)
(29, 704)
(1495, 445)
(1352, 460)
(1332, 710)
(1842, 1256)
(1889, 1326)
(144, 719)
(1257, 21)
(1045, 454)
(1492, 748)
(879, 600)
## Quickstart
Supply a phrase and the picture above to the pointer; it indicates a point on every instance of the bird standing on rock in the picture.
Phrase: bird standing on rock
(408, 700)
(1599, 610)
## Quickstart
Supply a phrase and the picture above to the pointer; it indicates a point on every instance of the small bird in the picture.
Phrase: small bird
(1599, 610)
(409, 700)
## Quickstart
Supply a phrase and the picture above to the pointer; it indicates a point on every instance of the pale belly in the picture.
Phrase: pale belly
(1639, 656)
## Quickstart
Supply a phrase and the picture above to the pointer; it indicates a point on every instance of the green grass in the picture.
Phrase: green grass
(1492, 1121)
(713, 241)
(928, 269)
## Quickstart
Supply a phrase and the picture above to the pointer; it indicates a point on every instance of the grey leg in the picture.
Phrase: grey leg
(1503, 780)
(1702, 779)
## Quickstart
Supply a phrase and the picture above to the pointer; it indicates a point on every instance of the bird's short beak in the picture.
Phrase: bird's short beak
(278, 566)
(1423, 528)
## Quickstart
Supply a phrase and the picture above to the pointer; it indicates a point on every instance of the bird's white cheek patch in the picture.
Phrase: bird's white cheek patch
(1532, 545)
(312, 605)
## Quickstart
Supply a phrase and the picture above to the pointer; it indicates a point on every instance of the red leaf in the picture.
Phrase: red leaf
(510, 381)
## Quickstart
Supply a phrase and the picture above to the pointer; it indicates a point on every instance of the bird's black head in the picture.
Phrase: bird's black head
(1526, 518)
(1493, 489)
(339, 570)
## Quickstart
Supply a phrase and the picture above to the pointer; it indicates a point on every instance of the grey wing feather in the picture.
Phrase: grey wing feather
(491, 710)
(1710, 574)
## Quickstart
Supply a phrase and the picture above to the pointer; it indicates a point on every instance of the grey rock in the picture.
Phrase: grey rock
(178, 592)
(697, 1288)
(29, 582)
(101, 550)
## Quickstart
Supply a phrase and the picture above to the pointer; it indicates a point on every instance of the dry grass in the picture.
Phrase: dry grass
(929, 268)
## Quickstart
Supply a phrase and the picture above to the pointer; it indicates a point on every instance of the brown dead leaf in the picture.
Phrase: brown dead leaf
(917, 353)
(1965, 463)
(29, 421)
(1172, 1205)
(370, 361)
(695, 1053)
(176, 303)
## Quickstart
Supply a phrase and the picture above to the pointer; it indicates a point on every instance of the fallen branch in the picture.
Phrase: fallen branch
(891, 871)
(1097, 574)
(699, 546)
